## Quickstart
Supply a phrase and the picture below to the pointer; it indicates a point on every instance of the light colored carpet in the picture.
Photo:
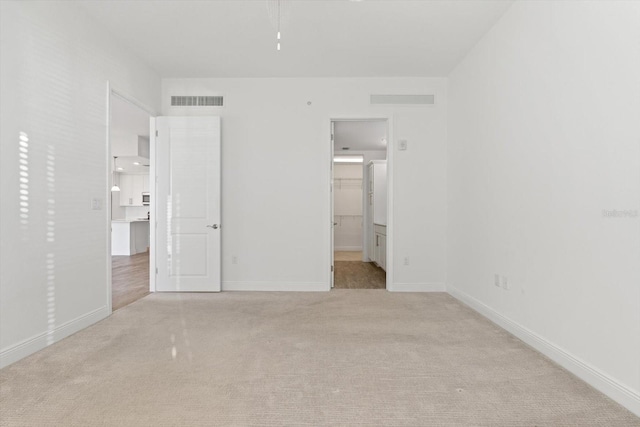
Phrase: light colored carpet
(365, 357)
(358, 275)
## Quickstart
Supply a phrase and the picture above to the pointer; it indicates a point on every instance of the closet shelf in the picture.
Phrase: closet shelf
(348, 182)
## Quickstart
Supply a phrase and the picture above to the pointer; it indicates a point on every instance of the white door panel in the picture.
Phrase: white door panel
(188, 237)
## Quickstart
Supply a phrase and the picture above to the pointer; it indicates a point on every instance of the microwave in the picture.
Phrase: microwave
(146, 198)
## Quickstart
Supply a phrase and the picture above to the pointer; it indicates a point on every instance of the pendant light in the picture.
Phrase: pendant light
(115, 187)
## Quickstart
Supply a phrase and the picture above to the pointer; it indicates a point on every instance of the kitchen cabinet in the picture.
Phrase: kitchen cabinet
(131, 189)
(145, 183)
(129, 237)
(380, 248)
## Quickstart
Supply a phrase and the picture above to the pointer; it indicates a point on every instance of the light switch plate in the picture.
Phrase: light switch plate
(402, 145)
(96, 204)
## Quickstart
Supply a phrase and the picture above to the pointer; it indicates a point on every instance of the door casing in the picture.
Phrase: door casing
(113, 91)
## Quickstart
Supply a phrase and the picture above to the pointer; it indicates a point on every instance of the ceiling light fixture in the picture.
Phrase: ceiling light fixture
(113, 175)
(136, 163)
(348, 159)
(278, 14)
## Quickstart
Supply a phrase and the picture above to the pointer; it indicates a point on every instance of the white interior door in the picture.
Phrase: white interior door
(188, 204)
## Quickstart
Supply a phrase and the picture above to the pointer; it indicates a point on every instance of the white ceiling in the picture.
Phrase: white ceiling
(341, 38)
(128, 120)
(359, 136)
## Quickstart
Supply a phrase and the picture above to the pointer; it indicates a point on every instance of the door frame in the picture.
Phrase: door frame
(114, 91)
(330, 207)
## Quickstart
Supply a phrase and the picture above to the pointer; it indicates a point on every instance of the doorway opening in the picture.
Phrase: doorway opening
(359, 203)
(130, 195)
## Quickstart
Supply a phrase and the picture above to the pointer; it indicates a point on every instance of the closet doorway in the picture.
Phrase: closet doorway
(359, 203)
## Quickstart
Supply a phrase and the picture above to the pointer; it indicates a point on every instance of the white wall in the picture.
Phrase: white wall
(278, 227)
(347, 207)
(54, 70)
(136, 212)
(544, 135)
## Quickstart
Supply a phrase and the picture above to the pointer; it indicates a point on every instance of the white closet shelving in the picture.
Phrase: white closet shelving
(347, 215)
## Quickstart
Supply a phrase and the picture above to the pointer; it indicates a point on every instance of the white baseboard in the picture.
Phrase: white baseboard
(417, 287)
(275, 286)
(347, 248)
(37, 343)
(625, 396)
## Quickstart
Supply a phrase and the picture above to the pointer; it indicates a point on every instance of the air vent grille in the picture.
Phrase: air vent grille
(197, 101)
(403, 99)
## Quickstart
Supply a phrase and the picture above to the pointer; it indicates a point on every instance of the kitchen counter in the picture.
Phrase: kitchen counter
(129, 236)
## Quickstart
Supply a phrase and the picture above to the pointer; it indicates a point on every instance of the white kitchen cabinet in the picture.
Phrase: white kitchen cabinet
(380, 246)
(131, 188)
(129, 237)
(126, 186)
(138, 188)
(145, 183)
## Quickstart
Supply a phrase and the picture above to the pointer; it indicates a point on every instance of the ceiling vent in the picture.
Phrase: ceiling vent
(196, 101)
(403, 99)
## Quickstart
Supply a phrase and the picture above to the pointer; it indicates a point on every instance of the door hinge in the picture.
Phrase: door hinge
(156, 133)
(156, 270)
(332, 268)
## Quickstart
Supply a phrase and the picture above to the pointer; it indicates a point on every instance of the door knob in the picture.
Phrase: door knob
(214, 226)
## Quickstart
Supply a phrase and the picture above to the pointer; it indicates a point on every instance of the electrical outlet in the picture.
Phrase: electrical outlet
(234, 259)
(402, 145)
(496, 280)
(505, 283)
(406, 260)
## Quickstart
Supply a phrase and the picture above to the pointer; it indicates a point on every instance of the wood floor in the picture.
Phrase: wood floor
(130, 279)
(352, 273)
